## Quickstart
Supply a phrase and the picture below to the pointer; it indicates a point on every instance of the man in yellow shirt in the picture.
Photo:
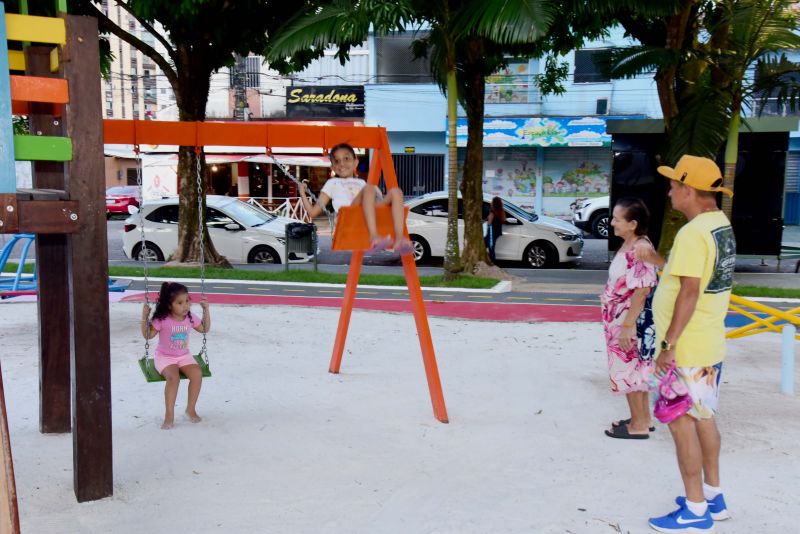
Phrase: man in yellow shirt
(690, 305)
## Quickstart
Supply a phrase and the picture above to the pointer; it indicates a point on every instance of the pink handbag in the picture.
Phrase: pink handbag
(673, 397)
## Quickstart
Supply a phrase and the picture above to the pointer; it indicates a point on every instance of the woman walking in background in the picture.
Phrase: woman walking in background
(495, 221)
(628, 320)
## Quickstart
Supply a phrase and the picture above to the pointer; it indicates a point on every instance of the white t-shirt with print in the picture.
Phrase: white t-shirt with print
(342, 191)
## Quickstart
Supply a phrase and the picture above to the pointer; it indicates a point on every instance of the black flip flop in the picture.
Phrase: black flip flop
(621, 432)
(623, 422)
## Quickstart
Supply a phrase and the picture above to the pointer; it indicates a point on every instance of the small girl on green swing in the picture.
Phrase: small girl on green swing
(172, 321)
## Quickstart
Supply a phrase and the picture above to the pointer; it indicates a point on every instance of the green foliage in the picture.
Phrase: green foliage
(21, 125)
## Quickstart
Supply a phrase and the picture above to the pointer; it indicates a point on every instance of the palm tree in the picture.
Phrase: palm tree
(451, 23)
(753, 31)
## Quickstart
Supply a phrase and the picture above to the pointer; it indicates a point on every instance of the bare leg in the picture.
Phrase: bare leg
(173, 378)
(367, 200)
(640, 423)
(645, 408)
(690, 456)
(195, 376)
(710, 444)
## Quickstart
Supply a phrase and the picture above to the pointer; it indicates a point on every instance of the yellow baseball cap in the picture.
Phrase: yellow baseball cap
(699, 173)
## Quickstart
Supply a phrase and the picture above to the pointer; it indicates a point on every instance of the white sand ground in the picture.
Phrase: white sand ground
(287, 447)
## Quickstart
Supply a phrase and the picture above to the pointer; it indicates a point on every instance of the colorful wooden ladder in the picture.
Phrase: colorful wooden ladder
(351, 231)
(74, 364)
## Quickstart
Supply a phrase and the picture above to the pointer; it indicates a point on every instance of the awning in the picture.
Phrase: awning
(303, 161)
(221, 159)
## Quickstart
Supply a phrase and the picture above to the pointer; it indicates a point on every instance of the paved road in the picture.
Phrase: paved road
(595, 258)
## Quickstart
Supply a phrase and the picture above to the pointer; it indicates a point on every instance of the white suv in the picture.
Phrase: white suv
(592, 215)
(240, 232)
(538, 241)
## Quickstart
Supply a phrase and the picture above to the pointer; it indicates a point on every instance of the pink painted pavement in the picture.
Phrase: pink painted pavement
(488, 311)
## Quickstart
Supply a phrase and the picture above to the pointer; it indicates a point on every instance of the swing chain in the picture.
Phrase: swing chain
(142, 246)
(288, 173)
(200, 230)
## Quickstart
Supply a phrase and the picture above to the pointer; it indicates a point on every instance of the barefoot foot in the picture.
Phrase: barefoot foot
(167, 424)
(193, 417)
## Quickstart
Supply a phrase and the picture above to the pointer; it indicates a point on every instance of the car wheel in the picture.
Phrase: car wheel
(263, 254)
(600, 225)
(150, 252)
(422, 251)
(540, 254)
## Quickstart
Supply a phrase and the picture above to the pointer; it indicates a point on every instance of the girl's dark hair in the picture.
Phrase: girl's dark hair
(497, 209)
(341, 146)
(169, 290)
(635, 210)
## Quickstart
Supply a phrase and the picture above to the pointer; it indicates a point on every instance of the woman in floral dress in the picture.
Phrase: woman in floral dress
(628, 319)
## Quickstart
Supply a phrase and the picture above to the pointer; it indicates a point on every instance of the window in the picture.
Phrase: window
(432, 208)
(131, 177)
(396, 64)
(588, 66)
(217, 219)
(164, 215)
(246, 72)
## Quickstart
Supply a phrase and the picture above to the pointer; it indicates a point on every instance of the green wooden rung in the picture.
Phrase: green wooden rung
(42, 148)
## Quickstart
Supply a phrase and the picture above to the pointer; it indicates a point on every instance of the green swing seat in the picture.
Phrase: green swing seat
(148, 367)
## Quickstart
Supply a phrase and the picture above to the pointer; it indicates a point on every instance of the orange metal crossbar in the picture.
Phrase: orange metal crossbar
(350, 232)
(260, 134)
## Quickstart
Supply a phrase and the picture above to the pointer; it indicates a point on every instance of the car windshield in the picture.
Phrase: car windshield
(246, 214)
(520, 213)
(121, 190)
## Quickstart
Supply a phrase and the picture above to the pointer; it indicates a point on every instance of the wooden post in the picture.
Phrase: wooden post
(52, 279)
(9, 512)
(88, 267)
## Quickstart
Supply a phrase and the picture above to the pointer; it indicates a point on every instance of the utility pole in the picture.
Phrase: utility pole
(239, 79)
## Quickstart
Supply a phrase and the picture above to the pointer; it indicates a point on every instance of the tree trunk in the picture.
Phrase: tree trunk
(452, 259)
(731, 157)
(472, 181)
(680, 29)
(191, 97)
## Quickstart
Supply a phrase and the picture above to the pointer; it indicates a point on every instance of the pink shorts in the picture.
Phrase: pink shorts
(162, 362)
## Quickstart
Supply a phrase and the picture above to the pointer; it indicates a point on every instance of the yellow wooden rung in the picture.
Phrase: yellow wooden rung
(16, 60)
(35, 29)
(54, 60)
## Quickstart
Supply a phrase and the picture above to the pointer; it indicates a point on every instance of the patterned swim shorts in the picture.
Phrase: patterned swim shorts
(703, 384)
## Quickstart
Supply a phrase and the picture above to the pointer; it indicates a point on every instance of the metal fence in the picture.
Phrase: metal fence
(418, 174)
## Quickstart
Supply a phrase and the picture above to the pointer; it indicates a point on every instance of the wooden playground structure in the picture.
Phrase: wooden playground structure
(60, 93)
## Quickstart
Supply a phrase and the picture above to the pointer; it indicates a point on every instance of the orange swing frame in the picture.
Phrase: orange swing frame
(351, 232)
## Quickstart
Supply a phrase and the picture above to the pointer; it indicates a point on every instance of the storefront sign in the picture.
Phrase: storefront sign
(346, 101)
(410, 149)
(542, 131)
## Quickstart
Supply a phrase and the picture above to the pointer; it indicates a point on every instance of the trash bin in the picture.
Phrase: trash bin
(301, 238)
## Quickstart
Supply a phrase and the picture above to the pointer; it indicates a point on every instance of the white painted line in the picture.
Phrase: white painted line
(504, 286)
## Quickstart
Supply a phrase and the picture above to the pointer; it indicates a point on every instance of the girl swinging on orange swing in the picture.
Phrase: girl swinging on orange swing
(345, 189)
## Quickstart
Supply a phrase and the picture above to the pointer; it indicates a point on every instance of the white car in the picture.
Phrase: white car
(537, 240)
(241, 232)
(592, 215)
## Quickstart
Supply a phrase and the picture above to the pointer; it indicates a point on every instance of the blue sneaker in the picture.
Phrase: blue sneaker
(683, 520)
(717, 507)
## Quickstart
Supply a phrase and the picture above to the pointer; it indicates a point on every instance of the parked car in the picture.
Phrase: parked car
(537, 240)
(592, 215)
(241, 232)
(119, 197)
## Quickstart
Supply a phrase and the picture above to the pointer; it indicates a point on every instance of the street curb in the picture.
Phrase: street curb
(504, 286)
